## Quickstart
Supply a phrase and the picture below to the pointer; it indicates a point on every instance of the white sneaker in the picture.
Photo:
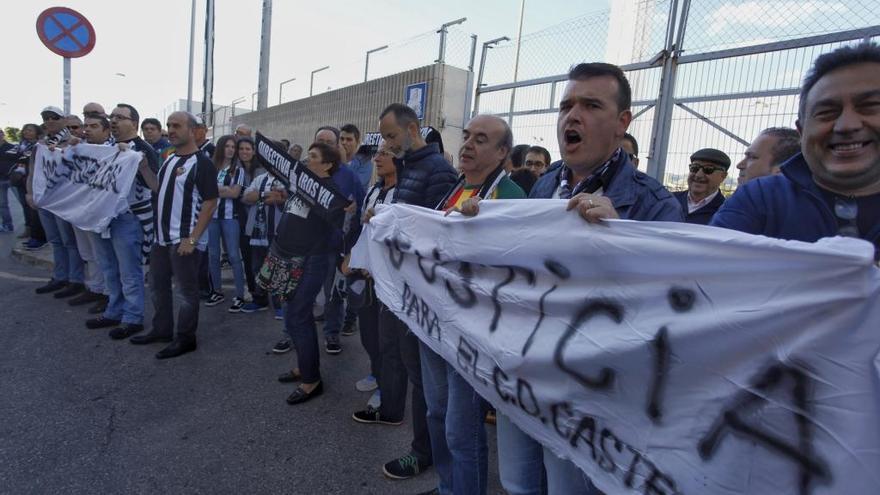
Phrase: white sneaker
(375, 400)
(367, 384)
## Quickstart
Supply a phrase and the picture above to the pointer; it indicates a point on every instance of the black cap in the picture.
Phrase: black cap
(712, 155)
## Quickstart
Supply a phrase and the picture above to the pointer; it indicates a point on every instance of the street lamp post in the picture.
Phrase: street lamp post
(232, 105)
(282, 85)
(312, 78)
(367, 63)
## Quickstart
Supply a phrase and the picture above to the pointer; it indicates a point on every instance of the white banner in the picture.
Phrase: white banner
(661, 358)
(86, 184)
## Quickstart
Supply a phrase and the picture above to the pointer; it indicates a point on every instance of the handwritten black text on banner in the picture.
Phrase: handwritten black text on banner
(661, 358)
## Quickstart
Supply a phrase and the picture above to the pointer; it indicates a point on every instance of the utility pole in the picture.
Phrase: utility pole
(265, 37)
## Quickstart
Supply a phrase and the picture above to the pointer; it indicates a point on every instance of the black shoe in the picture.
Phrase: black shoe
(372, 416)
(85, 298)
(177, 348)
(150, 338)
(125, 331)
(349, 328)
(299, 395)
(290, 377)
(70, 290)
(282, 346)
(99, 308)
(51, 286)
(215, 299)
(404, 468)
(101, 322)
(331, 345)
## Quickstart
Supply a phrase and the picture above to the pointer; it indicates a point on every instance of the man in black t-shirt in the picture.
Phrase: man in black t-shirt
(186, 195)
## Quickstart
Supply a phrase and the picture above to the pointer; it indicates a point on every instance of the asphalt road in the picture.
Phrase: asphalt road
(80, 413)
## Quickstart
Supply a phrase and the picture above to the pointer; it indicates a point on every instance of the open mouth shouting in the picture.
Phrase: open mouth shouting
(572, 139)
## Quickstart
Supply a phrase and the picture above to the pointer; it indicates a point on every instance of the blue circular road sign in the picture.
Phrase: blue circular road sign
(66, 32)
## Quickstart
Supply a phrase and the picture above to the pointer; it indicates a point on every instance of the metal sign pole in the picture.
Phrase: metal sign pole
(66, 85)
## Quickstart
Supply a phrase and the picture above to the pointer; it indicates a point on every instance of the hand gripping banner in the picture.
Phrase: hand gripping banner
(87, 184)
(660, 358)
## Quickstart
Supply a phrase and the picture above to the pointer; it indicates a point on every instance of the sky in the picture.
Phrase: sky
(142, 49)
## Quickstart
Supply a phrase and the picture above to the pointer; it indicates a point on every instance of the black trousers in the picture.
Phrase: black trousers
(400, 363)
(164, 261)
(368, 321)
(244, 247)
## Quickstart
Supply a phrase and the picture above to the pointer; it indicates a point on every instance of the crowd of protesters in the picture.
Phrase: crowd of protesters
(197, 205)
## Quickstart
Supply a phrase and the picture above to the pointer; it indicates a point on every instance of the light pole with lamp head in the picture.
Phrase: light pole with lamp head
(367, 63)
(312, 79)
(282, 85)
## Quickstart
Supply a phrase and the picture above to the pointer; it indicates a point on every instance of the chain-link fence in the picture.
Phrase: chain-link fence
(704, 73)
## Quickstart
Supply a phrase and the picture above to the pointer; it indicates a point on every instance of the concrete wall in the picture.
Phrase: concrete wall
(449, 91)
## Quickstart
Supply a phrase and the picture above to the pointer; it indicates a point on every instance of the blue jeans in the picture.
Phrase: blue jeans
(5, 214)
(564, 478)
(299, 321)
(229, 229)
(68, 267)
(120, 260)
(520, 460)
(456, 415)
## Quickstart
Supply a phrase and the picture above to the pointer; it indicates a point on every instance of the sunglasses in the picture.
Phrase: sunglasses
(707, 169)
(846, 210)
(51, 116)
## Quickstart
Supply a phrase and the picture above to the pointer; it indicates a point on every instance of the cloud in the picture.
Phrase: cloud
(773, 14)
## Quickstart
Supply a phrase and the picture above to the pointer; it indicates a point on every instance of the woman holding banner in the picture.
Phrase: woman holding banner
(297, 265)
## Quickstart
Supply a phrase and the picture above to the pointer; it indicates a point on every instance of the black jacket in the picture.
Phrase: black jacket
(423, 177)
(702, 215)
(8, 157)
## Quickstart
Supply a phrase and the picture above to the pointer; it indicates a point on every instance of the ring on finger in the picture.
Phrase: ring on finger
(590, 201)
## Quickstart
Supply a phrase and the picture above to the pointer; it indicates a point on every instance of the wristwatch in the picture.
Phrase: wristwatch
(192, 242)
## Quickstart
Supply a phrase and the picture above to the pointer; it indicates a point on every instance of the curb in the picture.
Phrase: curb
(32, 258)
(35, 258)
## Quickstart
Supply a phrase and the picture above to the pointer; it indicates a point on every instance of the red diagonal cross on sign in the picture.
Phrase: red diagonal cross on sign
(80, 32)
(66, 31)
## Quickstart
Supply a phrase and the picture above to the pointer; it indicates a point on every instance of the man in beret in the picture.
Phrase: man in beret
(702, 199)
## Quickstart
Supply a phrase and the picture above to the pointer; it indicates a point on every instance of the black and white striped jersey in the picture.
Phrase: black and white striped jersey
(185, 182)
(227, 207)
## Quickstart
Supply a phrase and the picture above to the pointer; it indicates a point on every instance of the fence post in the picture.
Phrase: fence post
(441, 59)
(666, 98)
(473, 52)
(486, 46)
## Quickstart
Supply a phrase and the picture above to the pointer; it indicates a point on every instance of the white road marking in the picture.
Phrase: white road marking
(20, 278)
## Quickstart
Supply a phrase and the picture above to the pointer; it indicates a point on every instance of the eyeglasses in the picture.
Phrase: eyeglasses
(846, 210)
(707, 169)
(116, 116)
(51, 116)
(632, 156)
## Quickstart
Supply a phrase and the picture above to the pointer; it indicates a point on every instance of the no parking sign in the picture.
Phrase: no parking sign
(68, 33)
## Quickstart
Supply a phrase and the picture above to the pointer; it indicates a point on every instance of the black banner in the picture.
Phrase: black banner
(297, 178)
